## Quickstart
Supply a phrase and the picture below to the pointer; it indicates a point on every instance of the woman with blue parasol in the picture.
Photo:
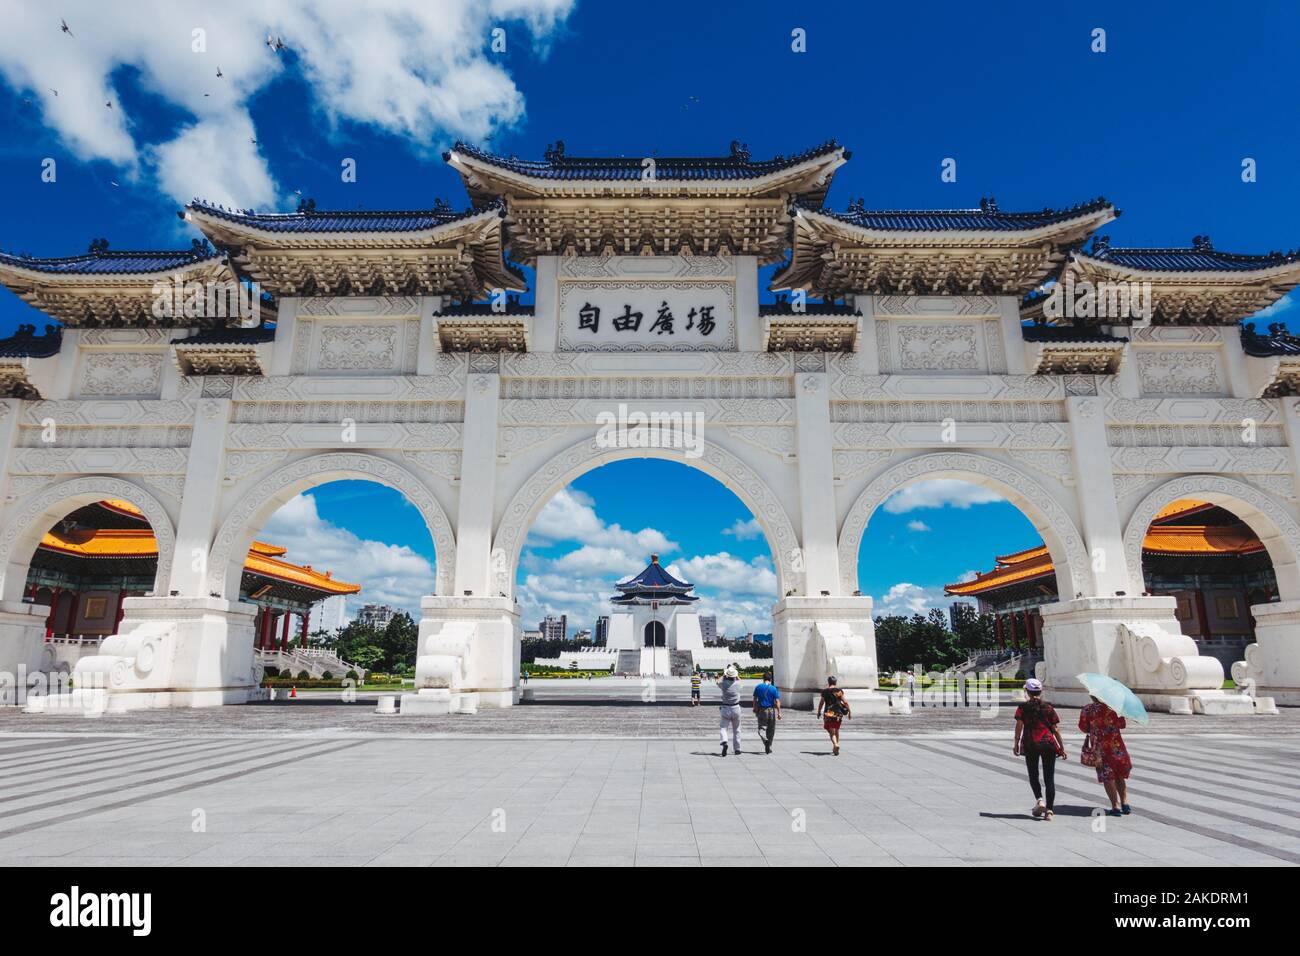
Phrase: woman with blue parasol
(1104, 749)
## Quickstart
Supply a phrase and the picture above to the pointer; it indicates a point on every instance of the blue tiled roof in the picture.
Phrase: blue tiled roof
(1278, 341)
(654, 582)
(25, 343)
(311, 221)
(783, 306)
(1066, 334)
(460, 309)
(559, 166)
(988, 218)
(105, 262)
(1200, 257)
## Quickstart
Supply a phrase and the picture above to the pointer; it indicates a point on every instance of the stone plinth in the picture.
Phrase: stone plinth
(22, 646)
(816, 637)
(467, 657)
(1136, 640)
(1272, 665)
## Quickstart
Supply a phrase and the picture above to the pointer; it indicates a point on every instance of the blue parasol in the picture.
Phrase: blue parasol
(1114, 695)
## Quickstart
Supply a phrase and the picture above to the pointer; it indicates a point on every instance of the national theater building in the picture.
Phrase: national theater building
(1201, 555)
(99, 555)
(473, 355)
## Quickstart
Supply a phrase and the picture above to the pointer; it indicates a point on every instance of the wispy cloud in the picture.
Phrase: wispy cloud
(420, 70)
(940, 493)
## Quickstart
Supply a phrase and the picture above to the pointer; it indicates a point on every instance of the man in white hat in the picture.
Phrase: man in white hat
(729, 711)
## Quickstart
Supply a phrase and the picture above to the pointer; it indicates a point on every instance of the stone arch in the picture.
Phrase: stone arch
(255, 507)
(1274, 525)
(38, 512)
(577, 460)
(1064, 543)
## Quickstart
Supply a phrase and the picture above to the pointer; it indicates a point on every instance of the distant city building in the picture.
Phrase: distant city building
(582, 635)
(602, 630)
(333, 614)
(375, 615)
(709, 629)
(532, 635)
(554, 628)
(952, 611)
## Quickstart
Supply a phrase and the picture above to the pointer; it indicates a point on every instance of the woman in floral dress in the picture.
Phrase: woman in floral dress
(1103, 726)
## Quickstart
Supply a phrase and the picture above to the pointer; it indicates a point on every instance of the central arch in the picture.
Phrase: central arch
(739, 478)
(1275, 528)
(255, 507)
(1062, 538)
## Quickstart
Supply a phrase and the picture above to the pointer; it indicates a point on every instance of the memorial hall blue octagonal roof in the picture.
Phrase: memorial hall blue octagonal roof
(654, 584)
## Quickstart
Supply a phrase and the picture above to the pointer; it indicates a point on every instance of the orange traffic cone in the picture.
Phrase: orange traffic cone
(293, 691)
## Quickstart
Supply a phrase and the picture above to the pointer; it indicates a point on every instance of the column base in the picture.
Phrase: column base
(22, 648)
(819, 637)
(1136, 640)
(168, 652)
(467, 658)
(1272, 664)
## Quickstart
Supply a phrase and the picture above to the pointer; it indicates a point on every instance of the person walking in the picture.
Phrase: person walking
(1038, 739)
(695, 687)
(836, 710)
(767, 708)
(729, 711)
(1104, 751)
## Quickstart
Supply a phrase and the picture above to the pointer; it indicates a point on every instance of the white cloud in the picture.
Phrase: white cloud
(907, 599)
(419, 69)
(743, 530)
(725, 572)
(571, 516)
(1284, 304)
(917, 526)
(388, 573)
(940, 493)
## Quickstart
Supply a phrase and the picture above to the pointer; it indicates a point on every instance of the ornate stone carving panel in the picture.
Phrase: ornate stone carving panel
(121, 373)
(940, 348)
(1180, 372)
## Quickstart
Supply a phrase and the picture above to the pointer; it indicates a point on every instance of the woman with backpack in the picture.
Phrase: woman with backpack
(1038, 738)
(836, 709)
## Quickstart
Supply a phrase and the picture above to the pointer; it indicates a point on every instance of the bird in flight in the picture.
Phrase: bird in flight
(109, 104)
(219, 73)
(275, 43)
(54, 91)
(63, 26)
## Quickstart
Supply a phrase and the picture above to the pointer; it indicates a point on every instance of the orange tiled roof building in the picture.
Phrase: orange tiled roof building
(105, 552)
(1204, 556)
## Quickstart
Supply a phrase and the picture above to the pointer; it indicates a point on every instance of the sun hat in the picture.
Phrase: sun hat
(1033, 686)
(731, 671)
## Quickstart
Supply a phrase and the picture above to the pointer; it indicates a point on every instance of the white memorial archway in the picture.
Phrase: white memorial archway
(905, 344)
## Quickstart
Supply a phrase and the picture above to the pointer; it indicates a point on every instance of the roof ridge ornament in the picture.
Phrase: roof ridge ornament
(1202, 244)
(739, 151)
(98, 247)
(988, 204)
(554, 151)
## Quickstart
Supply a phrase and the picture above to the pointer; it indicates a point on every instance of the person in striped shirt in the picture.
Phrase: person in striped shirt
(695, 688)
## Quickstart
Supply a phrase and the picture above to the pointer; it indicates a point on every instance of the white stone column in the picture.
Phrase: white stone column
(1094, 488)
(286, 329)
(546, 303)
(816, 487)
(478, 474)
(426, 357)
(201, 498)
(1013, 339)
(749, 327)
(22, 626)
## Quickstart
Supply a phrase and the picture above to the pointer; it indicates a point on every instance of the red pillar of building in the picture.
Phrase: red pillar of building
(306, 622)
(72, 614)
(284, 632)
(54, 610)
(1015, 635)
(121, 611)
(997, 630)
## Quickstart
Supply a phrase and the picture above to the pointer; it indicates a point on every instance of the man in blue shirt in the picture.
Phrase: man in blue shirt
(767, 708)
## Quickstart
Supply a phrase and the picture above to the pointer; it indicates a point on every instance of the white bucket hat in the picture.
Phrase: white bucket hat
(1033, 686)
(731, 671)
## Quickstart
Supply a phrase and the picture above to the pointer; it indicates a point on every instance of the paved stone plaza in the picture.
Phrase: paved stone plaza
(592, 776)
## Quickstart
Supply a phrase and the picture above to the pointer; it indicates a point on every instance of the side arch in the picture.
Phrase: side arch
(1270, 521)
(1050, 519)
(255, 507)
(577, 460)
(38, 512)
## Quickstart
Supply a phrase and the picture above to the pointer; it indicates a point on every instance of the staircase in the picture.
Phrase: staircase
(629, 662)
(680, 663)
(314, 661)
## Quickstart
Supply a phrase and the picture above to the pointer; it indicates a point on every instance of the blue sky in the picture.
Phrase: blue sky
(1159, 124)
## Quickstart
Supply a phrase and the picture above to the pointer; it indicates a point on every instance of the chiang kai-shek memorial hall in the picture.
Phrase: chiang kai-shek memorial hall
(908, 344)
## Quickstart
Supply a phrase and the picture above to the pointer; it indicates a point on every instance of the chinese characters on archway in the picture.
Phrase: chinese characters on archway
(697, 318)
